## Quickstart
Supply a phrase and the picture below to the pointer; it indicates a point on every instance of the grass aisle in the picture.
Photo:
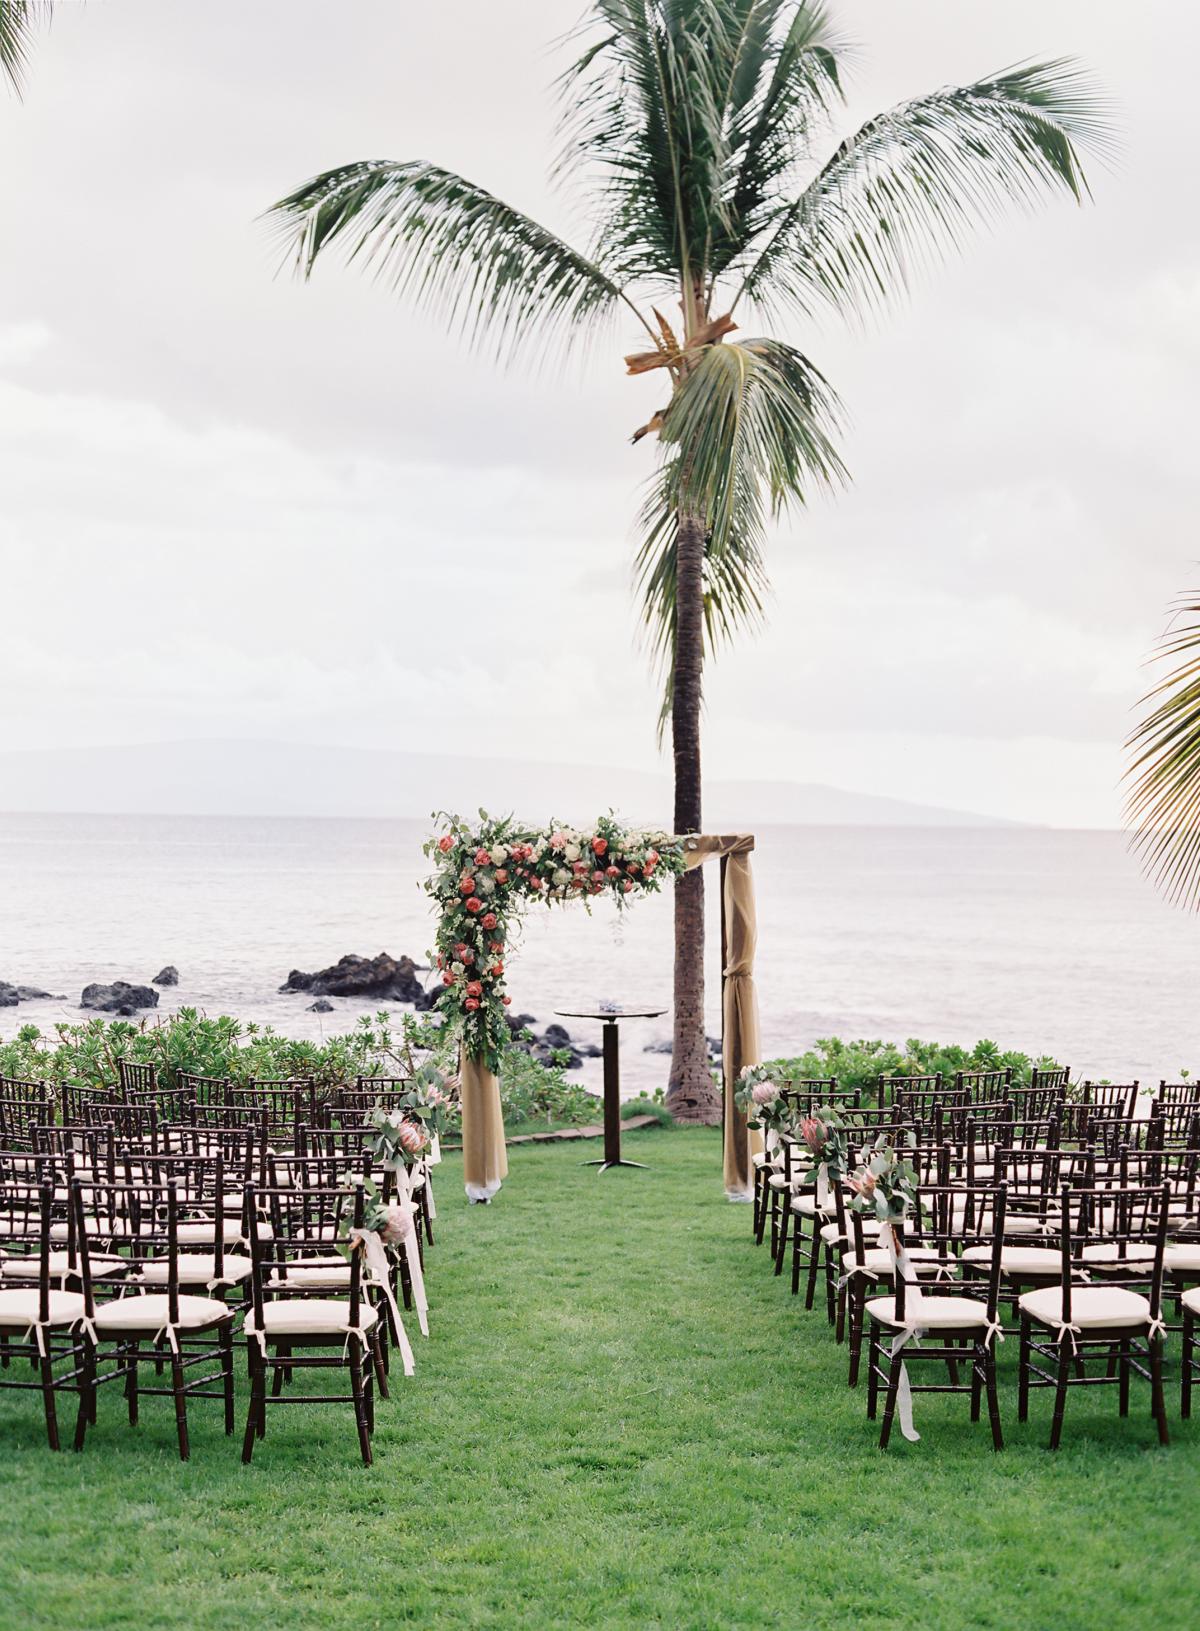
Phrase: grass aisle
(620, 1419)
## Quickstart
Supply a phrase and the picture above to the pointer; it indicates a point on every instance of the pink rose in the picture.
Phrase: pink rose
(599, 845)
(558, 840)
(482, 858)
(445, 843)
(475, 905)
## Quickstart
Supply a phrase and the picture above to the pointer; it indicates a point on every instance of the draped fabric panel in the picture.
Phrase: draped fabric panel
(485, 1160)
(740, 1001)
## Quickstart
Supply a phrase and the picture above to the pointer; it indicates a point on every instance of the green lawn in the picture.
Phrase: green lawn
(620, 1419)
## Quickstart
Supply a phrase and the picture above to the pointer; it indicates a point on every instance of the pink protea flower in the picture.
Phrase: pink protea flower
(397, 1225)
(764, 1093)
(863, 1184)
(410, 1136)
(813, 1132)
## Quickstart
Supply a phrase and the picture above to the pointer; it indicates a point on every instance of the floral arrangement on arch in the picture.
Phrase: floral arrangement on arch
(485, 874)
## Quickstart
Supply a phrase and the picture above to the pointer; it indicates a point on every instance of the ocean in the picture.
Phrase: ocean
(1048, 941)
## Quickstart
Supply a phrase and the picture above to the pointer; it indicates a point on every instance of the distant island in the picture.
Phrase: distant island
(251, 778)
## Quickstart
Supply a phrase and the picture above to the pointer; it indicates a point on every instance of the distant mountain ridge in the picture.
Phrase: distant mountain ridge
(232, 778)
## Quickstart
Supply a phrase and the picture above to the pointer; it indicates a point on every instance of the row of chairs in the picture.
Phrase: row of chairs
(123, 1249)
(1076, 1244)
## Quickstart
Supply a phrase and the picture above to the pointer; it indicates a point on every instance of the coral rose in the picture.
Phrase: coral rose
(475, 905)
(599, 846)
(471, 1004)
(501, 874)
(488, 920)
(482, 858)
(474, 989)
(466, 884)
(445, 843)
(612, 872)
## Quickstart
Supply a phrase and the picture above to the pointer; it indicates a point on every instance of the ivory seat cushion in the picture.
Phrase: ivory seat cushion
(1183, 1259)
(1191, 1300)
(936, 1313)
(806, 1206)
(196, 1269)
(1108, 1255)
(877, 1261)
(830, 1232)
(311, 1316)
(27, 1268)
(151, 1313)
(19, 1309)
(1018, 1259)
(1092, 1307)
(314, 1276)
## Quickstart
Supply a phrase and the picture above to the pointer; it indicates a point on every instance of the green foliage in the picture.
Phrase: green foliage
(1163, 806)
(531, 1091)
(652, 1106)
(861, 1063)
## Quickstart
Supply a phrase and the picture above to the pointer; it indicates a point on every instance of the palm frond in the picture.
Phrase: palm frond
(484, 267)
(1163, 804)
(19, 21)
(748, 432)
(912, 181)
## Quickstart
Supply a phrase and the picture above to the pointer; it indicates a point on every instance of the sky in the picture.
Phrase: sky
(236, 506)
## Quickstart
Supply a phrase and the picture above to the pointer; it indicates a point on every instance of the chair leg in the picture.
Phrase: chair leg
(87, 1392)
(976, 1383)
(814, 1257)
(855, 1304)
(258, 1379)
(1158, 1405)
(46, 1367)
(281, 1352)
(1060, 1393)
(360, 1406)
(225, 1340)
(181, 1425)
(1185, 1387)
(797, 1259)
(380, 1367)
(1120, 1351)
(993, 1398)
(1023, 1361)
(785, 1214)
(873, 1374)
(889, 1403)
(131, 1382)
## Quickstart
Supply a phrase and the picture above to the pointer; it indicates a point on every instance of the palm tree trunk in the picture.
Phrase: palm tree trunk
(692, 1094)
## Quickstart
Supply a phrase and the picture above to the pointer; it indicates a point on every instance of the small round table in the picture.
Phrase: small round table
(612, 1077)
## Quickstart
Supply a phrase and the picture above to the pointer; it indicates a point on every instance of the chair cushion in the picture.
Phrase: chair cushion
(1092, 1307)
(314, 1276)
(151, 1313)
(830, 1231)
(1191, 1300)
(1018, 1260)
(877, 1261)
(27, 1268)
(196, 1269)
(1107, 1254)
(312, 1316)
(936, 1314)
(1183, 1259)
(19, 1309)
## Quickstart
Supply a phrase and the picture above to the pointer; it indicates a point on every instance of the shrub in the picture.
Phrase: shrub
(858, 1064)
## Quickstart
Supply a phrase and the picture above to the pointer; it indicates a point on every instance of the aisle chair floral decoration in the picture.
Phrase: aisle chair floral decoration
(487, 873)
(388, 1229)
(885, 1188)
(823, 1134)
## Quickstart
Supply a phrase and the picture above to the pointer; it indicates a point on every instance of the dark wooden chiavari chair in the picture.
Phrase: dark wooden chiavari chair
(989, 1085)
(281, 1107)
(21, 1104)
(289, 1330)
(1179, 1093)
(202, 1092)
(76, 1097)
(915, 1097)
(1065, 1325)
(151, 1326)
(135, 1078)
(965, 1321)
(39, 1319)
(1056, 1079)
(801, 1097)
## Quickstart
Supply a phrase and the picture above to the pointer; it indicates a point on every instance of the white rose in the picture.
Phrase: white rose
(572, 852)
(499, 854)
(561, 877)
(485, 885)
(457, 968)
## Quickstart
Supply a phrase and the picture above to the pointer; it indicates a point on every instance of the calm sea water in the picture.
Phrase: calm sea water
(1043, 940)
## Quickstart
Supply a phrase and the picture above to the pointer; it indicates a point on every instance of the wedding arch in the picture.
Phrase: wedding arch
(486, 874)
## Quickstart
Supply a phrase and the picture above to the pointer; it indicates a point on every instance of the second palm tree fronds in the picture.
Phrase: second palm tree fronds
(1163, 805)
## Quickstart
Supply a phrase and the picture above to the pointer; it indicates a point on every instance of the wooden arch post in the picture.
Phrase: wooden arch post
(740, 1045)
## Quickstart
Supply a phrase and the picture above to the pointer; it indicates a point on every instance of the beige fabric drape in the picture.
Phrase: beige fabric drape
(485, 1160)
(740, 1002)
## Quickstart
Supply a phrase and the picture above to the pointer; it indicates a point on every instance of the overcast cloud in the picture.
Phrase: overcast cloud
(234, 506)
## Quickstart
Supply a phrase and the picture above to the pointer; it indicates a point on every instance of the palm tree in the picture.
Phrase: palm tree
(695, 128)
(18, 20)
(1163, 806)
